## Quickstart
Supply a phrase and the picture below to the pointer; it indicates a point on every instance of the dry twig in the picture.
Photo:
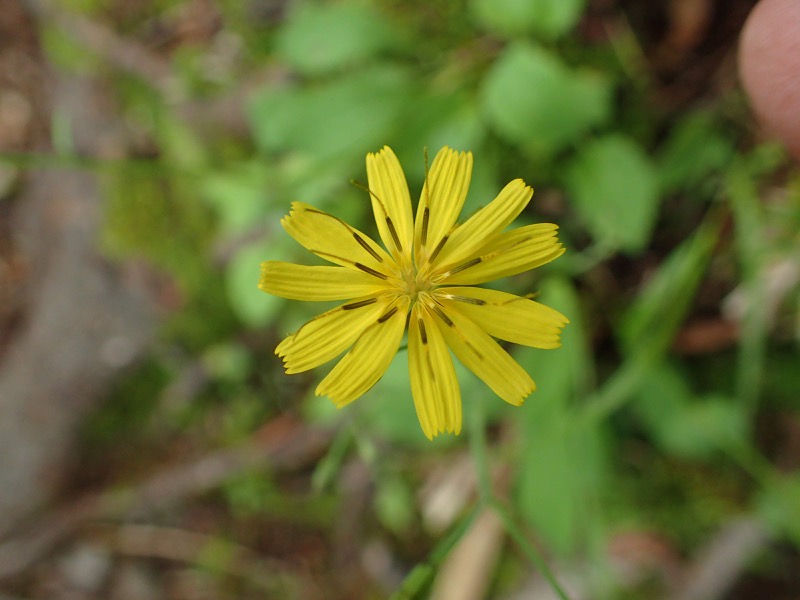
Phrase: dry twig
(722, 561)
(281, 445)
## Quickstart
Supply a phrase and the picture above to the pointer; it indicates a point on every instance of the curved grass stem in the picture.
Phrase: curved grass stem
(528, 549)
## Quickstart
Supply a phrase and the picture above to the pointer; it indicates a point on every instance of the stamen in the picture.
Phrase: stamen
(367, 247)
(387, 315)
(438, 248)
(450, 323)
(317, 211)
(442, 316)
(389, 223)
(473, 348)
(372, 272)
(467, 299)
(506, 249)
(422, 333)
(392, 230)
(359, 304)
(431, 371)
(426, 214)
(361, 241)
(372, 194)
(466, 265)
(357, 265)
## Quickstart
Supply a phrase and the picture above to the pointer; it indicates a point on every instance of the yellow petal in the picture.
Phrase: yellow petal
(391, 201)
(487, 222)
(506, 316)
(314, 283)
(509, 253)
(334, 240)
(437, 397)
(442, 197)
(368, 359)
(483, 356)
(327, 335)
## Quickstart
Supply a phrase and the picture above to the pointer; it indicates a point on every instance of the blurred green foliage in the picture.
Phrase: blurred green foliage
(323, 39)
(548, 19)
(563, 466)
(532, 99)
(615, 190)
(658, 211)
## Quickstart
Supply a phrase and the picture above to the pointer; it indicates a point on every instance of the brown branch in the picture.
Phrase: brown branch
(282, 445)
(273, 577)
(225, 112)
(128, 56)
(721, 562)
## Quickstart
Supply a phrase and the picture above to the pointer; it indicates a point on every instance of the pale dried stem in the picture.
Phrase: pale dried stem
(281, 445)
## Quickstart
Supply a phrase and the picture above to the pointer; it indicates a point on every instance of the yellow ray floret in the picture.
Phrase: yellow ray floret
(391, 202)
(437, 397)
(422, 275)
(302, 282)
(441, 200)
(506, 316)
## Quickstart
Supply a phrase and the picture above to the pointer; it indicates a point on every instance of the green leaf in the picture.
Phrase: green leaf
(653, 318)
(434, 120)
(707, 427)
(251, 305)
(338, 121)
(531, 98)
(237, 195)
(779, 506)
(695, 149)
(546, 18)
(663, 396)
(562, 374)
(614, 189)
(394, 503)
(683, 425)
(320, 38)
(563, 463)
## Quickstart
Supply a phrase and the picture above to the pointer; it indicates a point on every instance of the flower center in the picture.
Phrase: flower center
(413, 282)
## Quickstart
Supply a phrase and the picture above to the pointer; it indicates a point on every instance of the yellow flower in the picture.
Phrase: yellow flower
(426, 267)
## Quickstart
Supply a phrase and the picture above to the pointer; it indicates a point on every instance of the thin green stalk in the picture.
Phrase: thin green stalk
(660, 310)
(477, 445)
(752, 461)
(750, 244)
(743, 196)
(579, 263)
(419, 579)
(530, 551)
(620, 387)
(85, 163)
(330, 465)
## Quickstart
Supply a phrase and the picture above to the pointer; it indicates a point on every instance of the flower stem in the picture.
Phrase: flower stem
(530, 551)
(477, 445)
(417, 582)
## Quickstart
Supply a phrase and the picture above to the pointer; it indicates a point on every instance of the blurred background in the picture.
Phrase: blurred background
(151, 446)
